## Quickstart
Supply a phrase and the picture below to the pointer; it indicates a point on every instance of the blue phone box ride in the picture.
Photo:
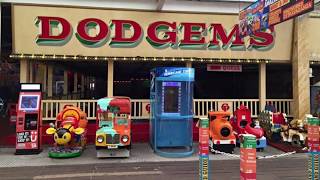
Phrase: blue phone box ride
(171, 95)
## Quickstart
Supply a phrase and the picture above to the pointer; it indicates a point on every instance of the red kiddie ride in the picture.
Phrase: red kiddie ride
(243, 124)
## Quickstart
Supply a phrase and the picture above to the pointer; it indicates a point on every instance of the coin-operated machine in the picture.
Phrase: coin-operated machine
(113, 135)
(28, 124)
(171, 95)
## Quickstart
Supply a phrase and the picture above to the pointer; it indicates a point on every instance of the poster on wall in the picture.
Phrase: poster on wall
(315, 100)
(264, 14)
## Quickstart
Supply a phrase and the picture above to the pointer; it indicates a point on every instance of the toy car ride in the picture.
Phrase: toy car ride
(113, 135)
(221, 132)
(243, 124)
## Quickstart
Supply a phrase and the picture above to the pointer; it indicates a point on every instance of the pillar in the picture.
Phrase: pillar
(50, 77)
(300, 68)
(110, 79)
(65, 82)
(0, 28)
(82, 84)
(262, 86)
(75, 82)
(44, 78)
(31, 75)
(24, 71)
(39, 74)
(189, 64)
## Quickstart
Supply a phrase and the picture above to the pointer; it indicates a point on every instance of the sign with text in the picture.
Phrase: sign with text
(263, 14)
(224, 68)
(203, 149)
(116, 33)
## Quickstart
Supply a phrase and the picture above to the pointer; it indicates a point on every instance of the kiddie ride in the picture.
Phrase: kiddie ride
(278, 128)
(113, 135)
(221, 132)
(69, 132)
(271, 123)
(295, 132)
(243, 124)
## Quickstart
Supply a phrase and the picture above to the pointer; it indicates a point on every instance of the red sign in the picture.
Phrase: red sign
(248, 164)
(225, 107)
(148, 108)
(159, 34)
(224, 68)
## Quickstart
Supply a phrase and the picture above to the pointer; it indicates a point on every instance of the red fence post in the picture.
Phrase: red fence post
(248, 157)
(314, 148)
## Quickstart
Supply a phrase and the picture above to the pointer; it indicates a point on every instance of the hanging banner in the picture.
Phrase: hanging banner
(263, 14)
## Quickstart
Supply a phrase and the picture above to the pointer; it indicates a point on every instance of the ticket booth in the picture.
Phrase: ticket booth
(171, 95)
(28, 124)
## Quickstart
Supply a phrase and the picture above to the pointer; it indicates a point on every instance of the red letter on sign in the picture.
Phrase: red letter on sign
(46, 36)
(92, 41)
(233, 38)
(120, 39)
(169, 38)
(261, 40)
(193, 35)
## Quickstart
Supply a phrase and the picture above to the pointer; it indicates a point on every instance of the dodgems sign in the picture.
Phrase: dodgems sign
(124, 33)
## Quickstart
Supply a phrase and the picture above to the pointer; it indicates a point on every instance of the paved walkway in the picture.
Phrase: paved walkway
(140, 153)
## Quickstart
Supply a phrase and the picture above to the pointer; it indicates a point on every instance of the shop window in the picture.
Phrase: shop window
(133, 79)
(226, 85)
(279, 81)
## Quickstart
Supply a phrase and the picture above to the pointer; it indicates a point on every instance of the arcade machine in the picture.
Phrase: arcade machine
(28, 124)
(171, 95)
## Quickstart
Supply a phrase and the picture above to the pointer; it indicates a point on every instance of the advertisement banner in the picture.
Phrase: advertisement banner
(264, 14)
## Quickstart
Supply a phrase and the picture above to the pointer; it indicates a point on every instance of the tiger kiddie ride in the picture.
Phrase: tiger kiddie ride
(69, 133)
(221, 133)
(243, 124)
(113, 135)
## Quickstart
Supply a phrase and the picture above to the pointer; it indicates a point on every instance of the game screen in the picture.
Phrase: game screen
(29, 102)
(171, 97)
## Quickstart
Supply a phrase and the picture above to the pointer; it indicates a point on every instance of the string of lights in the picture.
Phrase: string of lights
(315, 62)
(138, 58)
